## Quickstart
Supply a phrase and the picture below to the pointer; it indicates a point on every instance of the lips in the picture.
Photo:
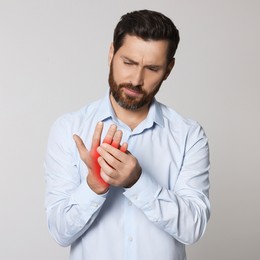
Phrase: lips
(132, 92)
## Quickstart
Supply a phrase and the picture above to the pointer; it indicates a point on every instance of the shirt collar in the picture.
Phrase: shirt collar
(155, 114)
(105, 110)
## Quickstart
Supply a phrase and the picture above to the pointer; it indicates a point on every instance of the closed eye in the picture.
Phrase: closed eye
(128, 63)
(153, 68)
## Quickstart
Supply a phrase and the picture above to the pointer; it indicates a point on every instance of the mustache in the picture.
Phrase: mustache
(130, 86)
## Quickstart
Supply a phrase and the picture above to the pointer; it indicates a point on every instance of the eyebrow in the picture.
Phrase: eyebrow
(128, 59)
(136, 63)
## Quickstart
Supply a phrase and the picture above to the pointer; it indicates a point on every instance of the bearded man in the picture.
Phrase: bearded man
(126, 176)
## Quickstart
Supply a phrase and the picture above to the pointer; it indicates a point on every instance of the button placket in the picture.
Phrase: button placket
(129, 230)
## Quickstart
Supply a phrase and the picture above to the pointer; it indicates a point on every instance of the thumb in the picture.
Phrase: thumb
(83, 151)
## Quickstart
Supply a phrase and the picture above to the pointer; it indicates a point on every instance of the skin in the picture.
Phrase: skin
(144, 65)
(90, 158)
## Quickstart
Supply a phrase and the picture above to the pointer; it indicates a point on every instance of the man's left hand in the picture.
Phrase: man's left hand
(118, 168)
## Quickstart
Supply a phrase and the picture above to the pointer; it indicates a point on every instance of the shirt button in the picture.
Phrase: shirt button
(129, 203)
(130, 238)
(95, 205)
(135, 197)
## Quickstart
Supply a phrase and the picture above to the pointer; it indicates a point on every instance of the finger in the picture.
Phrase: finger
(110, 159)
(106, 169)
(97, 135)
(106, 178)
(117, 139)
(81, 147)
(113, 152)
(124, 147)
(110, 134)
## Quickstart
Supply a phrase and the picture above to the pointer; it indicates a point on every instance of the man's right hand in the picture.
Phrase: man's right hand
(113, 137)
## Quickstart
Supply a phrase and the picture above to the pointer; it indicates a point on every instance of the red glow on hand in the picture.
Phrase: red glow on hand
(95, 165)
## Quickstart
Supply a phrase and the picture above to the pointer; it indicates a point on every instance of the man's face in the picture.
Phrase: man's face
(137, 71)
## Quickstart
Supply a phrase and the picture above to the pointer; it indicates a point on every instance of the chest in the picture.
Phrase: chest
(160, 155)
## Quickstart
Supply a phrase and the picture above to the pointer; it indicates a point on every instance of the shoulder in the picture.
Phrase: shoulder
(189, 131)
(64, 127)
(186, 129)
(174, 120)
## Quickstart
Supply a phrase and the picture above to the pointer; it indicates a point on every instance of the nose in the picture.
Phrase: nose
(138, 77)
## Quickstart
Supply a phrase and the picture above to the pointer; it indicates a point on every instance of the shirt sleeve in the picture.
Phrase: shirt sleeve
(71, 206)
(184, 211)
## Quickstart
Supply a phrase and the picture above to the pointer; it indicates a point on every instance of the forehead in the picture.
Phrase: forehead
(151, 51)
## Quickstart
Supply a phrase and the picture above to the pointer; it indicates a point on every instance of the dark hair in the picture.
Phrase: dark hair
(148, 25)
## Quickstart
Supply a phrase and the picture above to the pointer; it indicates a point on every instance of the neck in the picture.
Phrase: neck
(129, 117)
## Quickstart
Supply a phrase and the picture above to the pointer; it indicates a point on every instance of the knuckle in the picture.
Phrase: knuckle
(132, 162)
(110, 172)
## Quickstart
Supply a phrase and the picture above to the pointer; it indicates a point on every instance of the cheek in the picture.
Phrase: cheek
(152, 82)
(119, 74)
(120, 71)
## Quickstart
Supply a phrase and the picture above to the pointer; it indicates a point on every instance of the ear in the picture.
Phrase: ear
(169, 68)
(111, 53)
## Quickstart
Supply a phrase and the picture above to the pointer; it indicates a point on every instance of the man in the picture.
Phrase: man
(127, 177)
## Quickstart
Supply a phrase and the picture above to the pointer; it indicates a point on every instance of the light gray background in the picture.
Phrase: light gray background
(53, 59)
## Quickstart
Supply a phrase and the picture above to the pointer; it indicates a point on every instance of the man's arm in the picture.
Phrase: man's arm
(72, 205)
(182, 212)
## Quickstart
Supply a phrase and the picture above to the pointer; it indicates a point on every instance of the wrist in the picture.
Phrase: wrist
(133, 181)
(96, 185)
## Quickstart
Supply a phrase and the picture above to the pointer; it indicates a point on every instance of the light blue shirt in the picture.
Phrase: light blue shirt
(164, 210)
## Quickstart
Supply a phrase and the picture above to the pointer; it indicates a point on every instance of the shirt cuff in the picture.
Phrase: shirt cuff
(143, 192)
(86, 198)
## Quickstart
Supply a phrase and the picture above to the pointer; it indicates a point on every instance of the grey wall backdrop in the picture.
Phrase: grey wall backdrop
(53, 59)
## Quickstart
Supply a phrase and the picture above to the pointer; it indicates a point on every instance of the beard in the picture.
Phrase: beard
(130, 102)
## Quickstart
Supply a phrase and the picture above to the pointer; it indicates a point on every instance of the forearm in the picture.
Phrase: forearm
(72, 202)
(71, 216)
(183, 215)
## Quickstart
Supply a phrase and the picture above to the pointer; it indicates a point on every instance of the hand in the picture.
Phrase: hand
(117, 167)
(113, 137)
